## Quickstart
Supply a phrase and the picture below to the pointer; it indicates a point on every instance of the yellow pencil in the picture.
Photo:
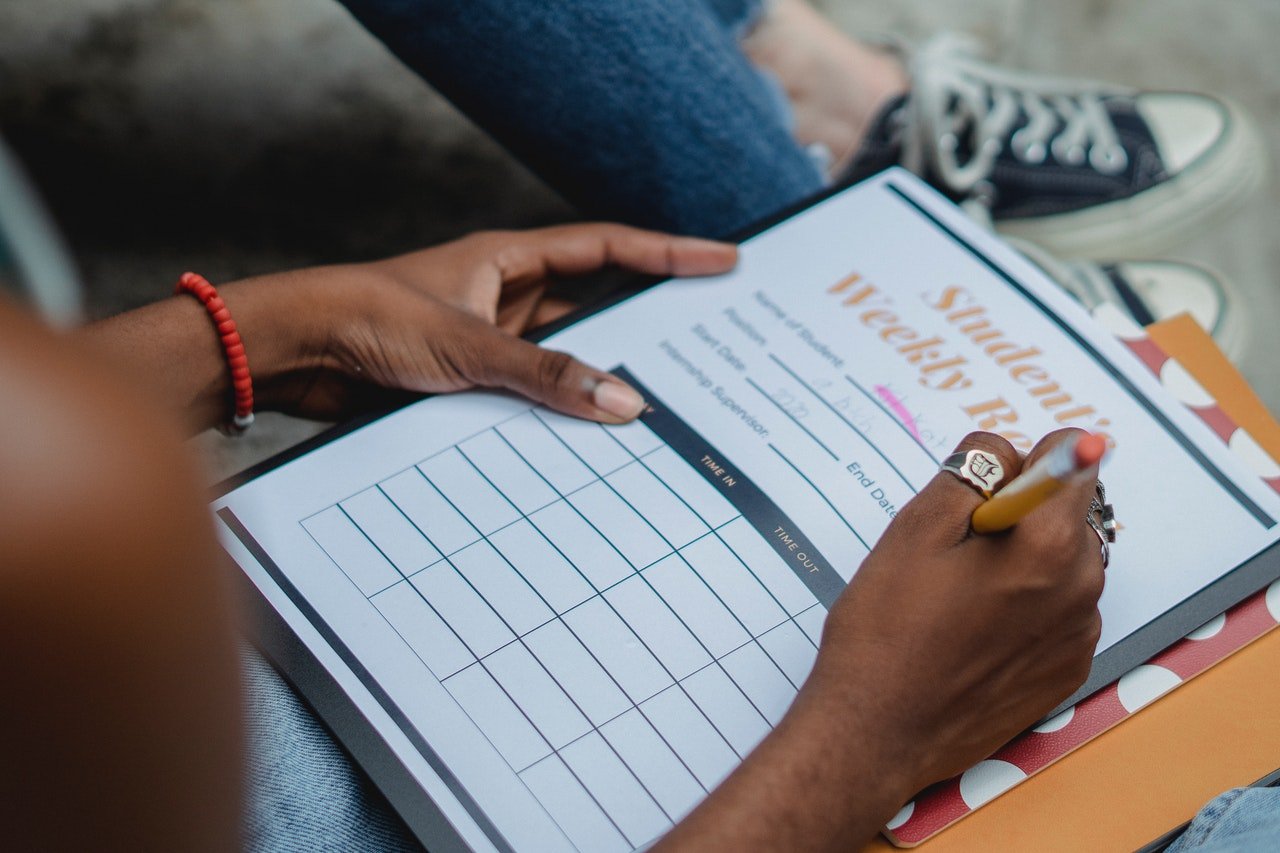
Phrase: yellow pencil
(1038, 483)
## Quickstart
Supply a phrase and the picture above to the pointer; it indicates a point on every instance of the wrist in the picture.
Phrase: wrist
(821, 780)
(285, 335)
(871, 756)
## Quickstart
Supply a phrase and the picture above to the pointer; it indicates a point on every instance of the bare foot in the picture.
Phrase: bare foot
(836, 85)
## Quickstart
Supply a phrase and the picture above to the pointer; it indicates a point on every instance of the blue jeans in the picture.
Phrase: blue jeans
(302, 792)
(639, 111)
(1240, 821)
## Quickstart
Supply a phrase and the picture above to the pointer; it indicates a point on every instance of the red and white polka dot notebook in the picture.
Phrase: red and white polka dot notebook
(947, 802)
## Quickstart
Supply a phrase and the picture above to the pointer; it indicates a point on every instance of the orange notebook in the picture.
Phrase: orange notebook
(1104, 745)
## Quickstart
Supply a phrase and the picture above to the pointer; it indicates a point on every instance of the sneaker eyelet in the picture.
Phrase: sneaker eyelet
(1110, 160)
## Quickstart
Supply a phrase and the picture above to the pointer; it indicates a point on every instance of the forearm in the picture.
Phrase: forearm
(822, 780)
(173, 350)
(120, 721)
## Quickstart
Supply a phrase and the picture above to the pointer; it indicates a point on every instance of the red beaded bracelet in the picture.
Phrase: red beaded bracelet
(199, 287)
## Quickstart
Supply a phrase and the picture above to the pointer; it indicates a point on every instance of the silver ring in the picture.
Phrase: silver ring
(1101, 519)
(978, 468)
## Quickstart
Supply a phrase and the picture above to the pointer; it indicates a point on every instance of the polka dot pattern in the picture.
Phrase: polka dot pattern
(1118, 323)
(1031, 752)
(1144, 685)
(1249, 451)
(1040, 747)
(1183, 385)
(987, 780)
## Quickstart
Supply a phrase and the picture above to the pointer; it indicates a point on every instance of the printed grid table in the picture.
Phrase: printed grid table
(615, 627)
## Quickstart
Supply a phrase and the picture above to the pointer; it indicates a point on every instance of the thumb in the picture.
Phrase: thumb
(555, 379)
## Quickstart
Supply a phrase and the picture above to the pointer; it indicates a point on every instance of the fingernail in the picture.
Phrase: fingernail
(618, 400)
(705, 257)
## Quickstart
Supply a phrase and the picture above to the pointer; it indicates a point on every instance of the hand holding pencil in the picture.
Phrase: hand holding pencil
(1077, 457)
(1070, 461)
(955, 640)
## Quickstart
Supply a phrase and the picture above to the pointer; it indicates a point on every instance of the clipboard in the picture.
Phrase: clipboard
(314, 675)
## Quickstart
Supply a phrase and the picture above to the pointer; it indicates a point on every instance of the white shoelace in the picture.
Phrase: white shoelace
(955, 94)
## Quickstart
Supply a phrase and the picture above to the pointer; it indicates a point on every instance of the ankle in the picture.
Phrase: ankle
(881, 77)
(837, 86)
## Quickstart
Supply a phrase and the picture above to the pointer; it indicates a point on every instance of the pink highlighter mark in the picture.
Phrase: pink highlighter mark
(900, 410)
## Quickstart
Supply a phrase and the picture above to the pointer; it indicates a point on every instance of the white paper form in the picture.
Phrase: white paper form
(570, 633)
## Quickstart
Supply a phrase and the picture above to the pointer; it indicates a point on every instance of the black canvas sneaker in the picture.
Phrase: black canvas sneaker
(1082, 168)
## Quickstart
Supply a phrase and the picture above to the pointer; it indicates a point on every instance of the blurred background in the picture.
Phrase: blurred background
(237, 137)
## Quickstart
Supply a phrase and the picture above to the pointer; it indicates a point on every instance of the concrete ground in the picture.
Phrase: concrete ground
(242, 136)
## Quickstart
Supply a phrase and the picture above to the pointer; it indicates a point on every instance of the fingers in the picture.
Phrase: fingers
(1050, 441)
(577, 249)
(555, 379)
(1075, 496)
(1059, 526)
(1072, 502)
(950, 501)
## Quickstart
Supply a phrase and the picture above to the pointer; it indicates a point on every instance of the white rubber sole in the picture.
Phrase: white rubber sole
(1157, 220)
